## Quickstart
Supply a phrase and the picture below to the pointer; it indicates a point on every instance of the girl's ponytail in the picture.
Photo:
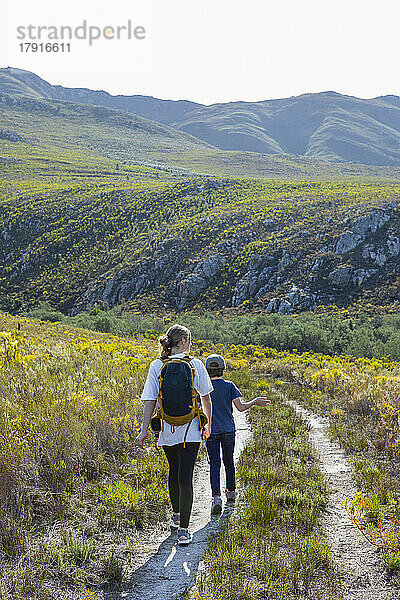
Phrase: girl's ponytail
(166, 345)
(171, 338)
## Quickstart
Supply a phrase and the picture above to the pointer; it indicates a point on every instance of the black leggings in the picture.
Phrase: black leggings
(181, 464)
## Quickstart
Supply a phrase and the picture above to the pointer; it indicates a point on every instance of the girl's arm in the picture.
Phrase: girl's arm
(147, 414)
(206, 404)
(259, 401)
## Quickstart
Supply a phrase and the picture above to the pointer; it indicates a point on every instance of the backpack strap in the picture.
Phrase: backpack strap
(187, 358)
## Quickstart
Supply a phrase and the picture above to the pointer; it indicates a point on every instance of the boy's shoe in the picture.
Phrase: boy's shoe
(175, 521)
(216, 506)
(230, 496)
(184, 537)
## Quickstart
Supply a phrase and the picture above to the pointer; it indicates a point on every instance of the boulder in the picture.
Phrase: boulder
(255, 260)
(371, 223)
(347, 241)
(368, 252)
(12, 136)
(361, 275)
(381, 257)
(245, 288)
(285, 308)
(286, 260)
(107, 292)
(340, 276)
(300, 299)
(393, 247)
(318, 263)
(273, 305)
(191, 286)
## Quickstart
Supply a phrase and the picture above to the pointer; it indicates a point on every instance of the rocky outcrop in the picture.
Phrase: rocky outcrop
(369, 245)
(347, 241)
(296, 300)
(191, 285)
(166, 267)
(380, 254)
(365, 225)
(362, 275)
(279, 305)
(259, 279)
(372, 222)
(286, 281)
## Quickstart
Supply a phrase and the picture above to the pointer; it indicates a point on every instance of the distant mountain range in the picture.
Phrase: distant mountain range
(324, 126)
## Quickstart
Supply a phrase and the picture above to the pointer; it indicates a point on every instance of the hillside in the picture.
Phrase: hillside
(44, 129)
(20, 83)
(77, 232)
(324, 126)
(102, 207)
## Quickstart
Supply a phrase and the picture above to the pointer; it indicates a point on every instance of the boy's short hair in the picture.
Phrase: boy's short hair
(215, 371)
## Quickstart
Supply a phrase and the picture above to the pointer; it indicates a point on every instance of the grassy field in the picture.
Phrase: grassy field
(77, 494)
(75, 490)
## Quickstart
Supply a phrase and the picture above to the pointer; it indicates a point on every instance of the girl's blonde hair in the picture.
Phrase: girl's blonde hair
(171, 338)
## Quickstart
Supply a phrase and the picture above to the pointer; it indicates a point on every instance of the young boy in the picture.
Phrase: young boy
(223, 429)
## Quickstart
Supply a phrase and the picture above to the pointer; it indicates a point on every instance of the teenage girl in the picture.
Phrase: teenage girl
(181, 457)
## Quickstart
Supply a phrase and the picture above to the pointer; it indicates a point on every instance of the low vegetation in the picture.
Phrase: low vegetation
(273, 547)
(75, 490)
(76, 493)
(355, 332)
(361, 398)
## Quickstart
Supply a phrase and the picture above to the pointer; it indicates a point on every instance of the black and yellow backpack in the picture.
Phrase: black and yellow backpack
(177, 397)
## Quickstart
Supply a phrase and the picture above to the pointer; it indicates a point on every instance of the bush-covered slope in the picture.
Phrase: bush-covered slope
(85, 238)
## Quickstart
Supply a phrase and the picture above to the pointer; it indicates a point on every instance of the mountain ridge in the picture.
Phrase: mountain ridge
(324, 125)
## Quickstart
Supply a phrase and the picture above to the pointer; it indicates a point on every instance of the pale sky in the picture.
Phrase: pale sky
(218, 50)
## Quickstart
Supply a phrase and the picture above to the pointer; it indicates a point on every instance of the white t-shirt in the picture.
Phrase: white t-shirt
(203, 386)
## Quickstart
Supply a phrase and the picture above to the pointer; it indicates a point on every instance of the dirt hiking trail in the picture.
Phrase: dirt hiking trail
(168, 570)
(364, 578)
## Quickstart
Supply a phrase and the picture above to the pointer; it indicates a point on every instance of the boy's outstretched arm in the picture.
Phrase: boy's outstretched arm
(259, 401)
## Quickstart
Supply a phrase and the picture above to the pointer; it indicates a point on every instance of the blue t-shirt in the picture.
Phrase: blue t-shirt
(222, 411)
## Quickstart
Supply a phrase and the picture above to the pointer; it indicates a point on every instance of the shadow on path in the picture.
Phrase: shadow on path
(173, 569)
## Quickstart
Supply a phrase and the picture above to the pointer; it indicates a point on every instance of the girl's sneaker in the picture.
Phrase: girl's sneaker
(216, 506)
(175, 521)
(184, 537)
(230, 496)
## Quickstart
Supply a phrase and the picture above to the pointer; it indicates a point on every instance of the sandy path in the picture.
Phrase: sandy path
(365, 578)
(168, 570)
